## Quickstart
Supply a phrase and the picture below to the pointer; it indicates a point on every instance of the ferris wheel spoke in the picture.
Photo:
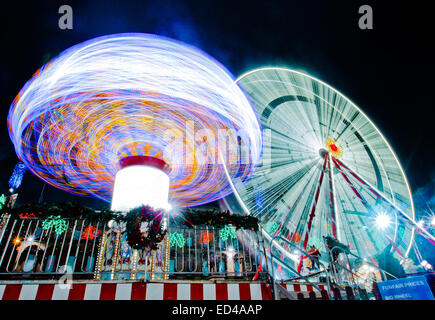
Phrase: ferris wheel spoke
(280, 189)
(290, 213)
(287, 139)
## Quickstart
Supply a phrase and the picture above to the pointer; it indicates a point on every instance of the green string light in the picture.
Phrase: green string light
(176, 238)
(56, 222)
(227, 232)
(273, 227)
(2, 201)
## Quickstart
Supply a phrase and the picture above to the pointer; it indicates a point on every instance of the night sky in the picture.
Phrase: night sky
(387, 71)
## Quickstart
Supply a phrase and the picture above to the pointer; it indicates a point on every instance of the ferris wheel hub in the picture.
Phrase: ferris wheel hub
(323, 152)
(334, 147)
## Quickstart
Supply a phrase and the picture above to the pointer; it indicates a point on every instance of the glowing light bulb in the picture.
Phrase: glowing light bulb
(141, 182)
(383, 220)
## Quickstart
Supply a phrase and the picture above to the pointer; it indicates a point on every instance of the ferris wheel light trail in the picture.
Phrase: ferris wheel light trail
(307, 120)
(127, 95)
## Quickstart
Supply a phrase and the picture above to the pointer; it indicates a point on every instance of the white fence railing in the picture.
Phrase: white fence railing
(91, 250)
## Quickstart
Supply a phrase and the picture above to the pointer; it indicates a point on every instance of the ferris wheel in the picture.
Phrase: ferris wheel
(326, 169)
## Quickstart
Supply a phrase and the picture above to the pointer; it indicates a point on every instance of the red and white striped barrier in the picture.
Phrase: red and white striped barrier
(305, 289)
(136, 291)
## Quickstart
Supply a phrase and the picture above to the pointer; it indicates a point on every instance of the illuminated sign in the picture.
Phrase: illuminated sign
(412, 288)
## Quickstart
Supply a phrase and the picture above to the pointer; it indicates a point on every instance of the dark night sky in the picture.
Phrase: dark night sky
(386, 71)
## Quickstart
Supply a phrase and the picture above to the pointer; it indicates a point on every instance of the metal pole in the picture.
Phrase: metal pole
(332, 200)
(264, 250)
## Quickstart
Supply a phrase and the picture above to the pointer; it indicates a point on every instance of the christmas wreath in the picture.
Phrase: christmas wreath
(144, 228)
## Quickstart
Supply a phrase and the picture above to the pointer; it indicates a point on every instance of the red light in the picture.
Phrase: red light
(333, 147)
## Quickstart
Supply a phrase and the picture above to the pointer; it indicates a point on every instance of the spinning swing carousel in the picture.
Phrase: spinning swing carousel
(135, 119)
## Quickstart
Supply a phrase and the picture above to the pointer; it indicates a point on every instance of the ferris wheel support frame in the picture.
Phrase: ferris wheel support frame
(378, 194)
(313, 210)
(334, 222)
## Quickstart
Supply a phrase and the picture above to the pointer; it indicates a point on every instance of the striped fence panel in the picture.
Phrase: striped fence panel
(136, 291)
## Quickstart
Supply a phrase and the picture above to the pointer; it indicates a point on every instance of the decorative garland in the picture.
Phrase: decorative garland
(215, 218)
(67, 210)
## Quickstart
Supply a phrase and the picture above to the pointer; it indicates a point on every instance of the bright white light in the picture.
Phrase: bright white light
(432, 221)
(295, 257)
(110, 224)
(138, 185)
(30, 239)
(424, 263)
(164, 223)
(383, 220)
(420, 223)
(230, 251)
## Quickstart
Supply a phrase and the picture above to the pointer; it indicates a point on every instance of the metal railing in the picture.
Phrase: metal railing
(92, 250)
(348, 274)
(302, 253)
